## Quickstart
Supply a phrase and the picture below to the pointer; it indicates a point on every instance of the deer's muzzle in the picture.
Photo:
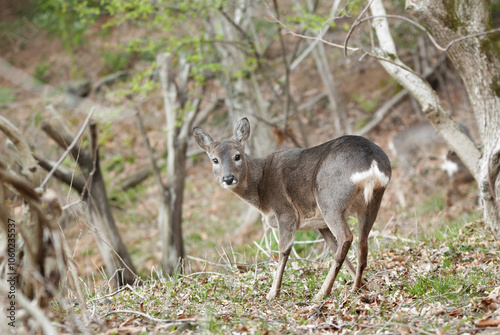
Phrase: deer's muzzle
(229, 181)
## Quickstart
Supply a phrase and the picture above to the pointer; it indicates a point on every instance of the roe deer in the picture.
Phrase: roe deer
(422, 141)
(307, 189)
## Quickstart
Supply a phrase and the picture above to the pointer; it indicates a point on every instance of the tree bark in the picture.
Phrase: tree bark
(477, 60)
(115, 255)
(478, 64)
(42, 259)
(243, 93)
(180, 117)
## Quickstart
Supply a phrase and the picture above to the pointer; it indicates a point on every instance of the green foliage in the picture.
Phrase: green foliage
(448, 284)
(41, 72)
(367, 104)
(6, 96)
(312, 22)
(352, 8)
(178, 22)
(106, 133)
(433, 203)
(67, 20)
(115, 61)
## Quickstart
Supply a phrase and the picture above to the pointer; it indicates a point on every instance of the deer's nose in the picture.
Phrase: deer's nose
(228, 180)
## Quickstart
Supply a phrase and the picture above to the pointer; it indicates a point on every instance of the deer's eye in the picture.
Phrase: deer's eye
(237, 157)
(215, 160)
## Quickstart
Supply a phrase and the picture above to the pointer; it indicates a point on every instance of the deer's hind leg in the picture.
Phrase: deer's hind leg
(332, 244)
(333, 211)
(366, 218)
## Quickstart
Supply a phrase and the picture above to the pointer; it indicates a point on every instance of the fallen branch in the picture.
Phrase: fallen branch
(375, 233)
(123, 288)
(77, 182)
(387, 107)
(31, 308)
(69, 148)
(172, 321)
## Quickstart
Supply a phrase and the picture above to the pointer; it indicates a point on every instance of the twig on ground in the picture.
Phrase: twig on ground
(118, 291)
(204, 272)
(375, 233)
(173, 321)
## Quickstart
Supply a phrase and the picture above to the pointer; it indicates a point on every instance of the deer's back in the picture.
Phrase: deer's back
(295, 175)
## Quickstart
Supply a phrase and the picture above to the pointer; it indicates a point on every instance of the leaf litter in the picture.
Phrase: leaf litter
(447, 286)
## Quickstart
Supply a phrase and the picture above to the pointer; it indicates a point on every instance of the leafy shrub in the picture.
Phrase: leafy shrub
(6, 96)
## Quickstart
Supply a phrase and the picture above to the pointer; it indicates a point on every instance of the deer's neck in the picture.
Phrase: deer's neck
(249, 190)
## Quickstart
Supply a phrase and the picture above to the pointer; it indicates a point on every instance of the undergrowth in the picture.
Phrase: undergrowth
(443, 283)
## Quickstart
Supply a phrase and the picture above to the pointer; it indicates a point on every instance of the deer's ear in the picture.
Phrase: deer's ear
(203, 139)
(242, 130)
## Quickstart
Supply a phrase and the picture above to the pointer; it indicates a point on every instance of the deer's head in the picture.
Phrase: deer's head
(227, 156)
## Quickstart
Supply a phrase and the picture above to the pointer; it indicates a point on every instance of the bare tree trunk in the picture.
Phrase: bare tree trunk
(115, 255)
(477, 62)
(243, 94)
(33, 242)
(181, 114)
(40, 255)
(176, 174)
(170, 216)
(342, 125)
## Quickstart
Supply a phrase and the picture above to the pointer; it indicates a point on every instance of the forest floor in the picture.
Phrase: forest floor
(446, 282)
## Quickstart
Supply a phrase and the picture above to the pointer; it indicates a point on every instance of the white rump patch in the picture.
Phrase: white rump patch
(450, 167)
(369, 180)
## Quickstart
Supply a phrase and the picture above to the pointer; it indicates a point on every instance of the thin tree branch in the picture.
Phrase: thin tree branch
(68, 178)
(386, 108)
(68, 149)
(149, 151)
(287, 69)
(354, 25)
(62, 137)
(419, 26)
(382, 112)
(172, 321)
(314, 38)
(205, 112)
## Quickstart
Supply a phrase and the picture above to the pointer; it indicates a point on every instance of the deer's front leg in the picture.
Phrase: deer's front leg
(286, 228)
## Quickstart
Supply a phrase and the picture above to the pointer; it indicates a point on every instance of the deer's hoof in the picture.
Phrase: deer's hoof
(361, 287)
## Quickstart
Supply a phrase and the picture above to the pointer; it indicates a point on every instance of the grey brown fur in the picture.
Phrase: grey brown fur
(307, 189)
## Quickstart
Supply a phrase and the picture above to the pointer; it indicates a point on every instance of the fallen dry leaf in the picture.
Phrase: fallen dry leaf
(456, 312)
(125, 330)
(441, 331)
(487, 323)
(492, 301)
